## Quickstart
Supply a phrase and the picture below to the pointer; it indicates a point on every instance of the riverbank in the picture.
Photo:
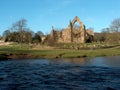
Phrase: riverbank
(25, 52)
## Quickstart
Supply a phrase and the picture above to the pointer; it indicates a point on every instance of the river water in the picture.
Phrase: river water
(100, 73)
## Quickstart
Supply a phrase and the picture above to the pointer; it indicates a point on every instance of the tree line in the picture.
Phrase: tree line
(109, 34)
(20, 33)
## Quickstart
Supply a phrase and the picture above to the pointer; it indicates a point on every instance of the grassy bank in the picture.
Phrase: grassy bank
(19, 52)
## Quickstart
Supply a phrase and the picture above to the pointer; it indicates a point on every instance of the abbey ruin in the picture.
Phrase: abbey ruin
(72, 34)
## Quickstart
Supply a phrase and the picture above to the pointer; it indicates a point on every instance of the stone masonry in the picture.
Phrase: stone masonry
(71, 34)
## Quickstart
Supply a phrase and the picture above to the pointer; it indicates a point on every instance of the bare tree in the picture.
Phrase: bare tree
(20, 27)
(112, 34)
(40, 33)
(19, 32)
(6, 33)
(115, 29)
(115, 25)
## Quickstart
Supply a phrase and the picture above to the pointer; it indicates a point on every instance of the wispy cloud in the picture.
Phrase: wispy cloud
(58, 7)
(89, 19)
(60, 4)
(11, 17)
(52, 11)
(67, 2)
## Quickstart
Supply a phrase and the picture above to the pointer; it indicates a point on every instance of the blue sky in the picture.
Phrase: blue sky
(43, 14)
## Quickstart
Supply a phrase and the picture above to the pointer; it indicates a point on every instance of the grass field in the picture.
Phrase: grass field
(24, 51)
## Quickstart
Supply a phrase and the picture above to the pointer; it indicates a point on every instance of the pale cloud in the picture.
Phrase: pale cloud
(11, 17)
(52, 11)
(59, 5)
(90, 19)
(67, 2)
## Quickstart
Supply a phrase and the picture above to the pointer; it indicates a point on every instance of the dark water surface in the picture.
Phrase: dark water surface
(101, 73)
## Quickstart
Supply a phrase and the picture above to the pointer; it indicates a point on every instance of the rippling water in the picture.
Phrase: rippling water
(68, 74)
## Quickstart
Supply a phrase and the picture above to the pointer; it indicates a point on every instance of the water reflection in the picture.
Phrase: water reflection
(111, 61)
(80, 61)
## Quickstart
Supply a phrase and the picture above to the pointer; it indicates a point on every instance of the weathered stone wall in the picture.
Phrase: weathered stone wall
(66, 35)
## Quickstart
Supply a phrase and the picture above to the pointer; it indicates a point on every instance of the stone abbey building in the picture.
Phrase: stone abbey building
(72, 34)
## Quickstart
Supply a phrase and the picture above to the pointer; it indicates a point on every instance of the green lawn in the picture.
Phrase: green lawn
(56, 53)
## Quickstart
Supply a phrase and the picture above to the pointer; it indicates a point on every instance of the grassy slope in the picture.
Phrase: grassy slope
(69, 53)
